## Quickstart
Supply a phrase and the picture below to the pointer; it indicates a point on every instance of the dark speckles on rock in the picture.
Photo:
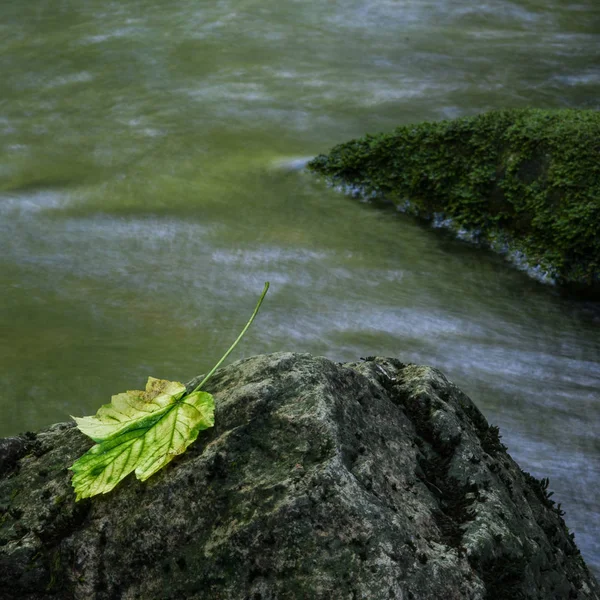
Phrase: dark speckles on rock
(11, 451)
(368, 480)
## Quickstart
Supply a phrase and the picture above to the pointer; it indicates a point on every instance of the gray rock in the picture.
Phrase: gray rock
(370, 480)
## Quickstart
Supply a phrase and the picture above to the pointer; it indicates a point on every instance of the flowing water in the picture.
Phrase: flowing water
(151, 180)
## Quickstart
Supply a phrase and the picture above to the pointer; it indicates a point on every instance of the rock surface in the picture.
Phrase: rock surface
(368, 480)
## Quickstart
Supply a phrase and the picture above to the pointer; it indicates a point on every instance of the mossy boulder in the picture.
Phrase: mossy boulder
(368, 480)
(528, 180)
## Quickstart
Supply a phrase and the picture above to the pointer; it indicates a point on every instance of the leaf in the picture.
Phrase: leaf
(141, 432)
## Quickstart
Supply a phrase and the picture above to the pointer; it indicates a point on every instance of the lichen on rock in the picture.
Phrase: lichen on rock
(368, 480)
(525, 183)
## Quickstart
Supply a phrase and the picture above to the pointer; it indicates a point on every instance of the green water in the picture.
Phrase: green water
(151, 181)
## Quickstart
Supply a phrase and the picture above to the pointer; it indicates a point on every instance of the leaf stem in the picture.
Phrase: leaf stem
(239, 337)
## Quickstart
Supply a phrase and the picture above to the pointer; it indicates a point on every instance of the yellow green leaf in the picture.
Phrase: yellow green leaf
(144, 431)
(147, 436)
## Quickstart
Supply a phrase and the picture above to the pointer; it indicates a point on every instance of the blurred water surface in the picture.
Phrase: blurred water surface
(151, 181)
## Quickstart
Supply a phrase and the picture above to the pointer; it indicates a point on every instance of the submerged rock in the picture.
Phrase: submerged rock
(525, 183)
(368, 480)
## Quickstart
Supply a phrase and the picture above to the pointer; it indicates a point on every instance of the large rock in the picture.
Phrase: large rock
(524, 183)
(370, 480)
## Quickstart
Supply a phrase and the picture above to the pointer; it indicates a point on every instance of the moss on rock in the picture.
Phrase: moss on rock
(527, 181)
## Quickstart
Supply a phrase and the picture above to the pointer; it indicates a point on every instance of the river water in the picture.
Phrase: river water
(151, 181)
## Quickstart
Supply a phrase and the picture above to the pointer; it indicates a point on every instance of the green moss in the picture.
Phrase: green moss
(530, 176)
